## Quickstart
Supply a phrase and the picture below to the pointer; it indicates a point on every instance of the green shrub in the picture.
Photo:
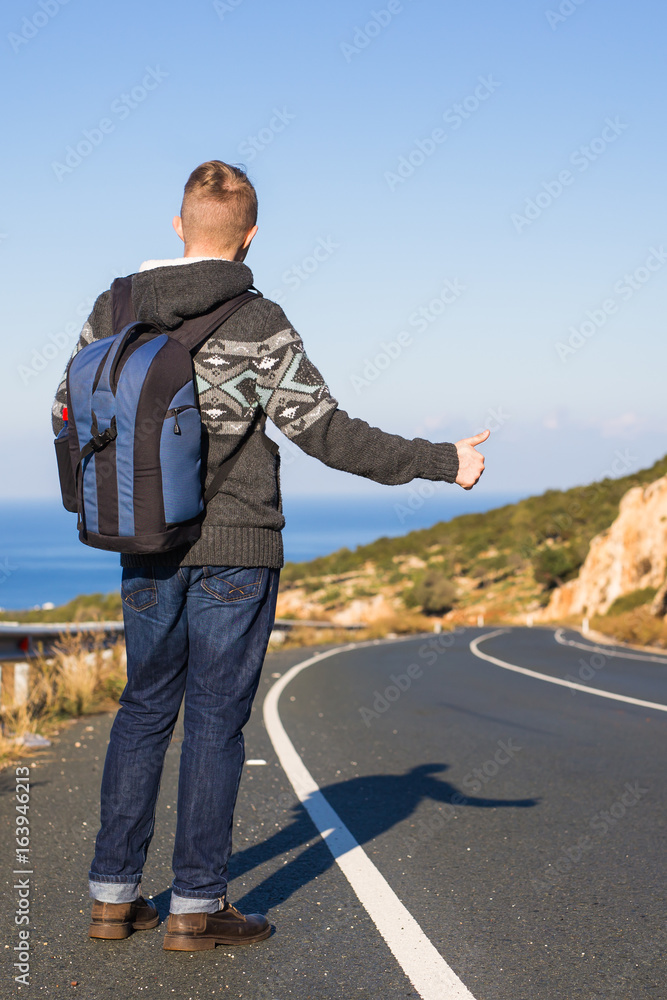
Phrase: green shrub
(635, 599)
(488, 567)
(434, 593)
(331, 596)
(556, 564)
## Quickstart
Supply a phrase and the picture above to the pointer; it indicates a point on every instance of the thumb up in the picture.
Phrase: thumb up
(471, 463)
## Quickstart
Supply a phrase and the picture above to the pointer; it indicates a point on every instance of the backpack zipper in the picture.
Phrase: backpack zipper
(174, 413)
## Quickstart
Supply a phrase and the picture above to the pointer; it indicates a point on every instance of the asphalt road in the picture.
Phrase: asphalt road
(522, 825)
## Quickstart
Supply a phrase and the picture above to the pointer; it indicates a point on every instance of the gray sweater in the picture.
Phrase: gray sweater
(255, 365)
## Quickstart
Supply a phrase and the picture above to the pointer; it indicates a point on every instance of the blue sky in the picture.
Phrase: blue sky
(484, 182)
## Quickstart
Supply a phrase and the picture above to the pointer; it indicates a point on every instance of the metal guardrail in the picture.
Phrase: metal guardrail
(290, 623)
(18, 639)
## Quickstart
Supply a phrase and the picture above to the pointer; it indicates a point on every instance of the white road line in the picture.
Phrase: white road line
(605, 651)
(422, 963)
(555, 680)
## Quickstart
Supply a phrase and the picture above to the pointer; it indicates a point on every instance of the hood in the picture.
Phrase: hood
(168, 295)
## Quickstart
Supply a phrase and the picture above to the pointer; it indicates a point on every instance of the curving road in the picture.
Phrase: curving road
(497, 835)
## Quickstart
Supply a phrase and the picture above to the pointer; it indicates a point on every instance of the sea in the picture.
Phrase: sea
(43, 563)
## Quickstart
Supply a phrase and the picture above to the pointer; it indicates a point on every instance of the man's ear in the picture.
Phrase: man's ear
(250, 237)
(177, 223)
(242, 251)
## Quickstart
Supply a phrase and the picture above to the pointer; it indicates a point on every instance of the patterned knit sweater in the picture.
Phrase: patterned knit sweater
(255, 365)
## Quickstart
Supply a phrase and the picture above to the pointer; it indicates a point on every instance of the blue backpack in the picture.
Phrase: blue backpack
(129, 453)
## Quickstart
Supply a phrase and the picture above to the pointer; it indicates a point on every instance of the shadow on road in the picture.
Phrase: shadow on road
(369, 806)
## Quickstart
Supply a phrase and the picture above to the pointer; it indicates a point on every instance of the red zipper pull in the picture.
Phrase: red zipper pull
(65, 414)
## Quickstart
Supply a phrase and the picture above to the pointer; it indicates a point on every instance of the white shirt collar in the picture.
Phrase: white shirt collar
(148, 265)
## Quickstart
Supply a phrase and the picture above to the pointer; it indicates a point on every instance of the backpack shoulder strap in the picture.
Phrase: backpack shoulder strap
(122, 310)
(192, 333)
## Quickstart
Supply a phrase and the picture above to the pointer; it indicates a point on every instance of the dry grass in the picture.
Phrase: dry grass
(15, 721)
(81, 676)
(638, 627)
(405, 622)
(298, 637)
(400, 623)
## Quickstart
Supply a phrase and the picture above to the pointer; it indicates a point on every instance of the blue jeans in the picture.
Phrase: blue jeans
(202, 633)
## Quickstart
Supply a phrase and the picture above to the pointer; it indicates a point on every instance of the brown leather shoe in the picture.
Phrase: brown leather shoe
(112, 921)
(198, 931)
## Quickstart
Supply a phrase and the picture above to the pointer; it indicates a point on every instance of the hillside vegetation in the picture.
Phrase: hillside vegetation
(503, 561)
(85, 608)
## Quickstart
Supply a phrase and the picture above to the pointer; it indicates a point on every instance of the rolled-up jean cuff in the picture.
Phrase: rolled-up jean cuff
(114, 892)
(195, 904)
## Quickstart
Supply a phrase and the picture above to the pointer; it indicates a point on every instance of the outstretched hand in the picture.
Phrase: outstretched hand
(471, 463)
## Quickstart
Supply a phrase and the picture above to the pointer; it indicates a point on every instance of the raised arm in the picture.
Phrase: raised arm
(298, 401)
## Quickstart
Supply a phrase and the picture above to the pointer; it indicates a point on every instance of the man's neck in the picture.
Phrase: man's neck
(205, 252)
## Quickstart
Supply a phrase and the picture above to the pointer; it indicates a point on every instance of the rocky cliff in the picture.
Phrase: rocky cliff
(628, 556)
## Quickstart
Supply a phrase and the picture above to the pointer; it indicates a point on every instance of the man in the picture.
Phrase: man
(198, 619)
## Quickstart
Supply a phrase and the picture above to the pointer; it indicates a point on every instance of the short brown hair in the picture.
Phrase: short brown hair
(219, 206)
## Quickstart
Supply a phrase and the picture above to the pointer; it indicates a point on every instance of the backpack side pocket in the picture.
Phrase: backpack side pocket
(180, 458)
(65, 471)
